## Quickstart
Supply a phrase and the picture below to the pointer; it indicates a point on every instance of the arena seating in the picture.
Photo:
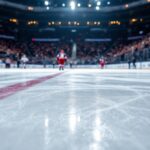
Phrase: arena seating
(87, 52)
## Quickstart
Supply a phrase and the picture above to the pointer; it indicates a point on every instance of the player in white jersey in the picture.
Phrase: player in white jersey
(24, 60)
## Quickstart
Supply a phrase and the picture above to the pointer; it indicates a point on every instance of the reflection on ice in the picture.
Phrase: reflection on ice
(46, 131)
(94, 146)
(46, 122)
(97, 135)
(97, 129)
(97, 121)
(74, 119)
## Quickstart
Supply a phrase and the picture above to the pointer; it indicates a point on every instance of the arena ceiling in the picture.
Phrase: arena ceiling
(17, 18)
(58, 3)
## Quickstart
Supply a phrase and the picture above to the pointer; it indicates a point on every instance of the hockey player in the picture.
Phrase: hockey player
(102, 62)
(7, 62)
(61, 59)
(24, 60)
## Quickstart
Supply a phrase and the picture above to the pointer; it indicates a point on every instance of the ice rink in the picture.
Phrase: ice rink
(77, 109)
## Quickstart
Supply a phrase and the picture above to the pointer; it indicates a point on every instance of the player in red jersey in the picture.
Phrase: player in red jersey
(61, 59)
(102, 62)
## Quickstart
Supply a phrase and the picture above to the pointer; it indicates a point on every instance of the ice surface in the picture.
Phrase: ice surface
(79, 110)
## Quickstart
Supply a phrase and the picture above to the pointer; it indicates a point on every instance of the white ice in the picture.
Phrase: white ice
(79, 110)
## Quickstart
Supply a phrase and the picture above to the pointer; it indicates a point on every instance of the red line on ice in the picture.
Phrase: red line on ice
(12, 89)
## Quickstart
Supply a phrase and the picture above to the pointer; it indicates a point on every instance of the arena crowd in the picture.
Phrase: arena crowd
(87, 52)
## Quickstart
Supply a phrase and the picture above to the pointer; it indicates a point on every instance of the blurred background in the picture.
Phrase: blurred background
(118, 31)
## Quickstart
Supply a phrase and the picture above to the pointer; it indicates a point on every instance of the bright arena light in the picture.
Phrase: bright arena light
(97, 8)
(89, 5)
(98, 3)
(79, 4)
(46, 3)
(73, 5)
(63, 5)
(108, 3)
